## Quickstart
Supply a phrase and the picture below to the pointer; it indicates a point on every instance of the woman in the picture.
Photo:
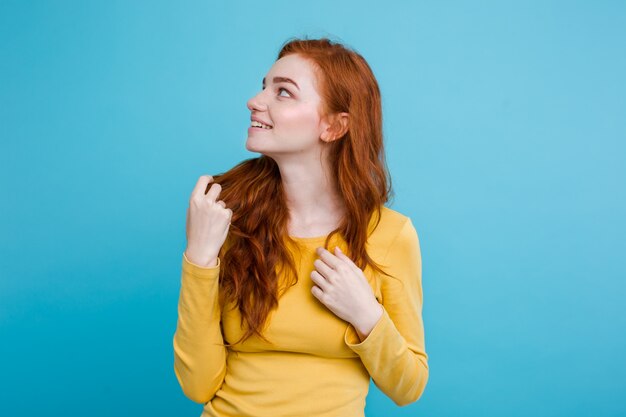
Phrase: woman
(282, 310)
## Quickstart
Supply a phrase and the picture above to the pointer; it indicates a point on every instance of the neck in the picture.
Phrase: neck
(310, 190)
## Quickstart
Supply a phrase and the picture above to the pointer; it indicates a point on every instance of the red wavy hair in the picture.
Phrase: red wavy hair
(253, 188)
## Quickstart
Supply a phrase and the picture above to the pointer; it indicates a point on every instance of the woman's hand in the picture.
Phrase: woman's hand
(208, 221)
(343, 288)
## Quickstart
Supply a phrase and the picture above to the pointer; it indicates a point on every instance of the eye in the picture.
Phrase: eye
(284, 89)
(280, 89)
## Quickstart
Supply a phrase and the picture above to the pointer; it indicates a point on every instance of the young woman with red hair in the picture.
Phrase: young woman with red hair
(298, 284)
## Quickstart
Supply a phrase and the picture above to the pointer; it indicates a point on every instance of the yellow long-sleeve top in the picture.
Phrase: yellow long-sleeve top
(317, 365)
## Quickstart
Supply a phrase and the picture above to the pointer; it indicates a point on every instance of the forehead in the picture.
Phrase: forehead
(299, 69)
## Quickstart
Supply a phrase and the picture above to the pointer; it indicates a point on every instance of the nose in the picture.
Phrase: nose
(257, 103)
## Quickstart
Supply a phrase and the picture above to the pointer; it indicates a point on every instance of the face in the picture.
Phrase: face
(291, 110)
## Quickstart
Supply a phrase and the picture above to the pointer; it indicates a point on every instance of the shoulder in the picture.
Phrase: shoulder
(390, 224)
(392, 227)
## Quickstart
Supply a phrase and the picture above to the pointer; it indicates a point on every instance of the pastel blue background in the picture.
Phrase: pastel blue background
(505, 129)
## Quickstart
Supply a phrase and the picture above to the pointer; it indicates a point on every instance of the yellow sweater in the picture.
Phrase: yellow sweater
(317, 366)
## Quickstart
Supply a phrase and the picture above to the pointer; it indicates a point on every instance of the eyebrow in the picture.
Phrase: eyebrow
(283, 80)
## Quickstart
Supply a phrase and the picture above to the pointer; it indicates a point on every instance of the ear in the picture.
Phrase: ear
(337, 127)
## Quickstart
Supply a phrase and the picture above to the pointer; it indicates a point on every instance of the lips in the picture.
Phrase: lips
(256, 119)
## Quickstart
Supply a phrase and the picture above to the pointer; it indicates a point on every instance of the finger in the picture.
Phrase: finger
(319, 294)
(214, 191)
(347, 260)
(201, 185)
(326, 271)
(221, 203)
(328, 258)
(319, 280)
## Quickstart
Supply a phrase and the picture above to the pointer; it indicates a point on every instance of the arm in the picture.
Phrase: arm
(394, 351)
(199, 351)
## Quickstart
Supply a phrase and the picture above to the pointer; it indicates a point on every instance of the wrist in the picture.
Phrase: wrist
(364, 327)
(205, 261)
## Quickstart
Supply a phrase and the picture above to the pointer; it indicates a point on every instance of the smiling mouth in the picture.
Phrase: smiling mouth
(260, 125)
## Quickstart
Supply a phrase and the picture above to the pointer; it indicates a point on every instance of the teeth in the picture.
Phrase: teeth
(258, 124)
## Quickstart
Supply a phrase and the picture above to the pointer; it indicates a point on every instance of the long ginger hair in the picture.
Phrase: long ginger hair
(253, 189)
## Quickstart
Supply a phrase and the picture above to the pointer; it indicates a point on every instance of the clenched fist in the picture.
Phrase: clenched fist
(208, 221)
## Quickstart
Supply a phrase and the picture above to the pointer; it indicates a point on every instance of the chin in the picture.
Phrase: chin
(250, 146)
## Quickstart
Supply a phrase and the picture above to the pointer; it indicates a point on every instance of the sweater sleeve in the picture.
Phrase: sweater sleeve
(394, 352)
(199, 351)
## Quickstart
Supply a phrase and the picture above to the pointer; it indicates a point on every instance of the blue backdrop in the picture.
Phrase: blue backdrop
(505, 129)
